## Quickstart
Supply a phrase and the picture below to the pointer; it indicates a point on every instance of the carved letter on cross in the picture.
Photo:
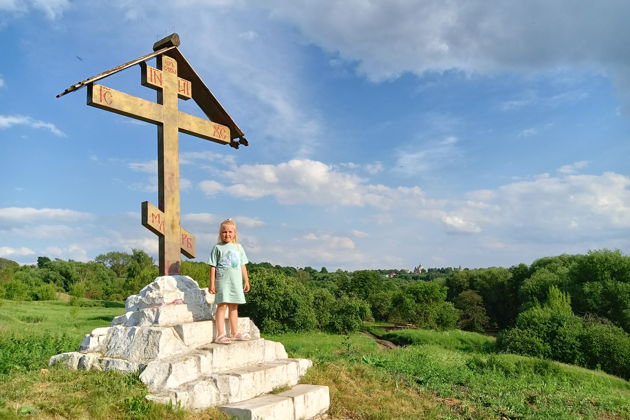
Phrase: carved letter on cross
(165, 220)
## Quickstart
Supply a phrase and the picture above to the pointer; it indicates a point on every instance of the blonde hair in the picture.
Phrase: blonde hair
(228, 221)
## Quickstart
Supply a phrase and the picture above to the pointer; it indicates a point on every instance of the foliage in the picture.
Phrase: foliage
(423, 304)
(348, 315)
(279, 303)
(473, 315)
(31, 352)
(605, 346)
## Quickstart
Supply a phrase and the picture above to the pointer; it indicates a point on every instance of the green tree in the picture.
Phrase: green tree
(279, 303)
(116, 261)
(473, 315)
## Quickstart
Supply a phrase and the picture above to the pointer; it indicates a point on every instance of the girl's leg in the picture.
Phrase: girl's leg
(233, 315)
(219, 319)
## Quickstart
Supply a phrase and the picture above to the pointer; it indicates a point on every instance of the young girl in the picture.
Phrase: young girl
(228, 279)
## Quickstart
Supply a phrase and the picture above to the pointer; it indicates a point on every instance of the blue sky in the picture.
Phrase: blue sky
(383, 134)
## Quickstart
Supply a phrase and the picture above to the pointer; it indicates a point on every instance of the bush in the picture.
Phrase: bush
(348, 315)
(45, 292)
(520, 341)
(16, 290)
(607, 347)
(278, 303)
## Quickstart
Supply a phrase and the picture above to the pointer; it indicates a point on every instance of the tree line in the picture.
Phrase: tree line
(571, 308)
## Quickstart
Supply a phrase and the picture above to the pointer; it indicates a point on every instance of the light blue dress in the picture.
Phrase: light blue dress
(228, 259)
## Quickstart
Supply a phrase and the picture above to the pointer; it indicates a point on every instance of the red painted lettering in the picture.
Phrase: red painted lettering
(105, 95)
(155, 76)
(169, 66)
(155, 217)
(220, 132)
(183, 87)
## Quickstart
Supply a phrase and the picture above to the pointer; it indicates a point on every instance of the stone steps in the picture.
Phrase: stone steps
(234, 385)
(301, 402)
(171, 372)
(166, 334)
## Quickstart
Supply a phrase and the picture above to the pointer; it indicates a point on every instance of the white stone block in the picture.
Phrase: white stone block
(308, 400)
(264, 407)
(195, 334)
(89, 361)
(120, 365)
(143, 344)
(166, 290)
(69, 359)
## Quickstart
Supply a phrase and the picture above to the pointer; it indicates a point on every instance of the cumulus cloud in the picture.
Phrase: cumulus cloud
(23, 215)
(52, 9)
(8, 121)
(549, 206)
(473, 35)
(566, 206)
(8, 252)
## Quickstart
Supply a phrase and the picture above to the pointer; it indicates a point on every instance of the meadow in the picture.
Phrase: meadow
(435, 375)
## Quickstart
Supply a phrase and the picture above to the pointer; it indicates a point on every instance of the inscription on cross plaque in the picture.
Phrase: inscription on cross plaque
(164, 220)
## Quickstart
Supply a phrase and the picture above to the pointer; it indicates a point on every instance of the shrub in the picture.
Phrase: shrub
(607, 347)
(348, 315)
(45, 292)
(520, 341)
(473, 315)
(279, 303)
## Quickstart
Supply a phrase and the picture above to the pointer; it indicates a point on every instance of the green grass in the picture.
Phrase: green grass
(455, 374)
(433, 375)
(56, 317)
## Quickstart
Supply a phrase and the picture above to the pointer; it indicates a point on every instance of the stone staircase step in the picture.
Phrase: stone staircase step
(235, 385)
(171, 372)
(300, 402)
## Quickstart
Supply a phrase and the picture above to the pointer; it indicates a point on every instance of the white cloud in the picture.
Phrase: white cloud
(8, 121)
(149, 167)
(13, 215)
(296, 181)
(52, 9)
(528, 132)
(456, 224)
(2, 84)
(6, 251)
(210, 187)
(573, 168)
(412, 161)
(248, 35)
(249, 222)
(70, 252)
(472, 35)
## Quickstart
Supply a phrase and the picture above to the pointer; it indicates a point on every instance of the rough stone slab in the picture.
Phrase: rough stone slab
(69, 359)
(166, 289)
(234, 385)
(266, 407)
(308, 400)
(89, 361)
(143, 344)
(168, 315)
(120, 365)
(170, 372)
(95, 341)
(195, 334)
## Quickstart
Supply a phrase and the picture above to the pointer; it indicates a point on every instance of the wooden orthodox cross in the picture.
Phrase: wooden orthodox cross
(164, 220)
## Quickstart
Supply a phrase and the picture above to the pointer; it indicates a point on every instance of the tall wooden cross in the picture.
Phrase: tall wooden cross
(163, 220)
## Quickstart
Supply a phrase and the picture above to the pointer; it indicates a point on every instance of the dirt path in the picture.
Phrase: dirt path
(382, 343)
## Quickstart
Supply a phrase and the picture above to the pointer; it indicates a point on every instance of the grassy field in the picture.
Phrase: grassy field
(434, 375)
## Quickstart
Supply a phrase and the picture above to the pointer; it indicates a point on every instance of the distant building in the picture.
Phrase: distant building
(419, 269)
